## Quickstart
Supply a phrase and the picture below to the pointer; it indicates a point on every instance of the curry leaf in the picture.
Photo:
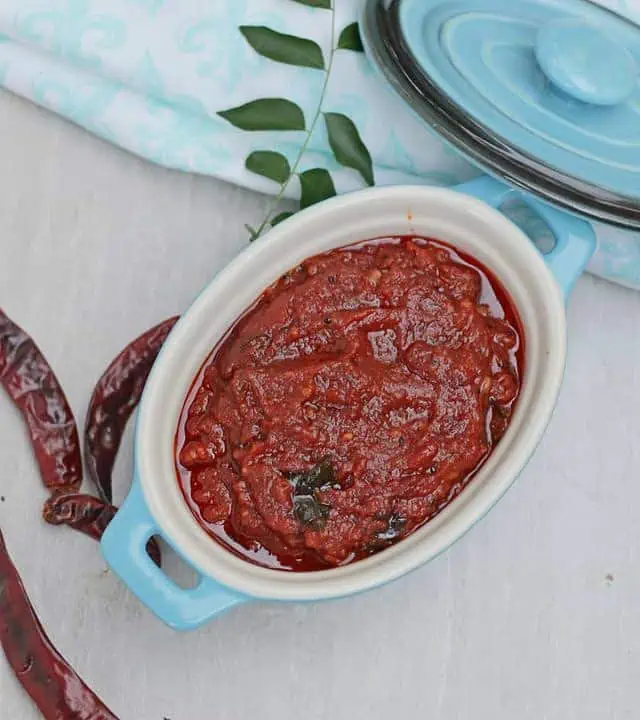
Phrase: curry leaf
(307, 508)
(269, 164)
(287, 49)
(350, 38)
(316, 185)
(281, 217)
(324, 4)
(266, 114)
(310, 513)
(306, 482)
(347, 145)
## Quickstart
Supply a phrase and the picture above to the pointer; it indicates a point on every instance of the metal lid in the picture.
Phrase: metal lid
(542, 93)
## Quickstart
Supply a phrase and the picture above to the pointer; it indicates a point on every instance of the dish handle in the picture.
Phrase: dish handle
(124, 548)
(575, 240)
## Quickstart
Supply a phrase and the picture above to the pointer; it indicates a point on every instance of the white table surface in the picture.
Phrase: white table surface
(534, 615)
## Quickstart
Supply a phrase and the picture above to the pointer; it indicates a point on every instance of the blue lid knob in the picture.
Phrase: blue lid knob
(585, 63)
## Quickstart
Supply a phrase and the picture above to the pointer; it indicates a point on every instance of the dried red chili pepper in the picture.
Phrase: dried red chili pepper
(52, 683)
(86, 514)
(115, 397)
(35, 390)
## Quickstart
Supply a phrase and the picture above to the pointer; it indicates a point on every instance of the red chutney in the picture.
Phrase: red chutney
(350, 404)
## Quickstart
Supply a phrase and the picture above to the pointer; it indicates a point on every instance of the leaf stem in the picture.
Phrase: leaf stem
(283, 188)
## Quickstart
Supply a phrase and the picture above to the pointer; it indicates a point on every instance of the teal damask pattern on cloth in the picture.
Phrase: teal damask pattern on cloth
(72, 32)
(151, 76)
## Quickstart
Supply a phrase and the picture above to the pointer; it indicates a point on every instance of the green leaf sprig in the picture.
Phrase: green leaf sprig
(281, 114)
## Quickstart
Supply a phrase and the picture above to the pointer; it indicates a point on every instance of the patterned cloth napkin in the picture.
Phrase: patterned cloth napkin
(153, 76)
